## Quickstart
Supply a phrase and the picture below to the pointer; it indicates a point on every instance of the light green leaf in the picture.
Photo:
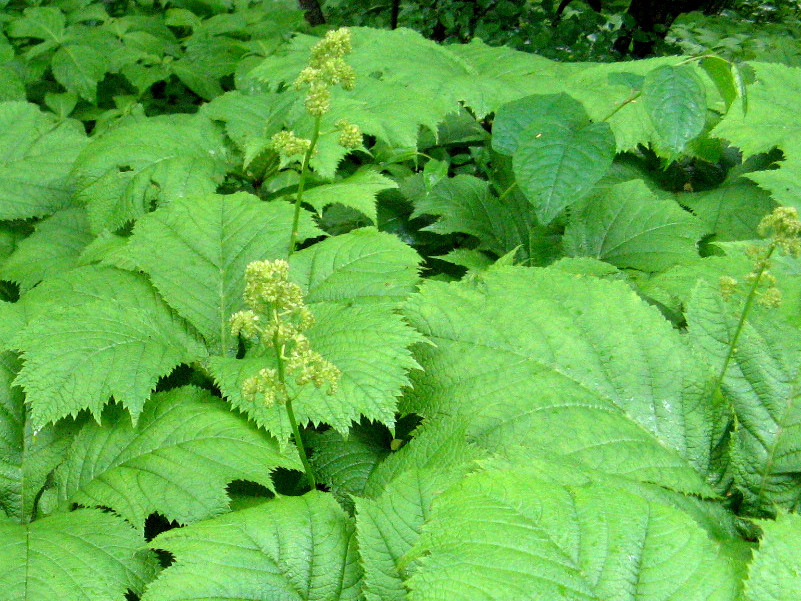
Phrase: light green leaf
(86, 554)
(39, 22)
(556, 163)
(75, 358)
(36, 155)
(732, 211)
(520, 352)
(185, 449)
(300, 548)
(761, 380)
(513, 118)
(196, 250)
(533, 539)
(79, 67)
(775, 572)
(52, 249)
(675, 99)
(627, 226)
(357, 191)
(156, 160)
(466, 205)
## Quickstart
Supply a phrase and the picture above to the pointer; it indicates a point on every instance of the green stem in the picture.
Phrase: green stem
(304, 458)
(302, 184)
(749, 301)
(629, 100)
(506, 192)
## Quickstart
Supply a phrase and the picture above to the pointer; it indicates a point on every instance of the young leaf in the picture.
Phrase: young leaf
(156, 160)
(627, 226)
(86, 554)
(76, 357)
(37, 155)
(519, 353)
(773, 574)
(556, 163)
(675, 99)
(534, 539)
(185, 449)
(762, 382)
(357, 191)
(196, 250)
(52, 249)
(287, 548)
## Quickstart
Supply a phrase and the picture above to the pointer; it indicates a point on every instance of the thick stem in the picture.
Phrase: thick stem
(304, 169)
(304, 458)
(749, 301)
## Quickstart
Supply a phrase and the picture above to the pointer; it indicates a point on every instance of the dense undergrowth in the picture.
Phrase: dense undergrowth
(369, 317)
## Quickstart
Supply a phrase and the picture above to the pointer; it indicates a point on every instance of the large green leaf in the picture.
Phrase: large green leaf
(506, 534)
(675, 99)
(761, 380)
(185, 449)
(156, 160)
(775, 572)
(521, 355)
(119, 345)
(626, 225)
(36, 155)
(86, 554)
(556, 163)
(298, 548)
(196, 250)
(53, 248)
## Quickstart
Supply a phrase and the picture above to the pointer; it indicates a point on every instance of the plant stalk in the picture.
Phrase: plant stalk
(304, 458)
(304, 169)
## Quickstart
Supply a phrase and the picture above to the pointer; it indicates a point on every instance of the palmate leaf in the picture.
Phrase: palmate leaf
(762, 380)
(86, 554)
(299, 548)
(37, 155)
(353, 284)
(196, 250)
(26, 458)
(118, 340)
(627, 226)
(507, 534)
(53, 248)
(774, 572)
(156, 160)
(522, 355)
(185, 449)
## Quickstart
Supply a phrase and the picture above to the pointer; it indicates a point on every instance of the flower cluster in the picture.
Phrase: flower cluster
(327, 67)
(288, 144)
(783, 228)
(277, 316)
(350, 136)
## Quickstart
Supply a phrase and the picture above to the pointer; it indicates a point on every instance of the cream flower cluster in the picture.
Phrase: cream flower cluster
(276, 317)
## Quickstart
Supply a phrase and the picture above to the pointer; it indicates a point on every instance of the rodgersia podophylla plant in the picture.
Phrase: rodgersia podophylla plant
(277, 318)
(326, 68)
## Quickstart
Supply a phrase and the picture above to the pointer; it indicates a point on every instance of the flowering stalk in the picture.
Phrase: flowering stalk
(276, 317)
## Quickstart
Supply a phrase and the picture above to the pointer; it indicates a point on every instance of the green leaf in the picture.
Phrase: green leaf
(732, 211)
(357, 191)
(466, 205)
(520, 352)
(627, 226)
(196, 250)
(52, 249)
(79, 67)
(721, 72)
(533, 539)
(186, 447)
(39, 22)
(675, 99)
(513, 118)
(774, 572)
(390, 525)
(26, 457)
(156, 160)
(556, 163)
(761, 380)
(76, 357)
(36, 155)
(287, 548)
(86, 554)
